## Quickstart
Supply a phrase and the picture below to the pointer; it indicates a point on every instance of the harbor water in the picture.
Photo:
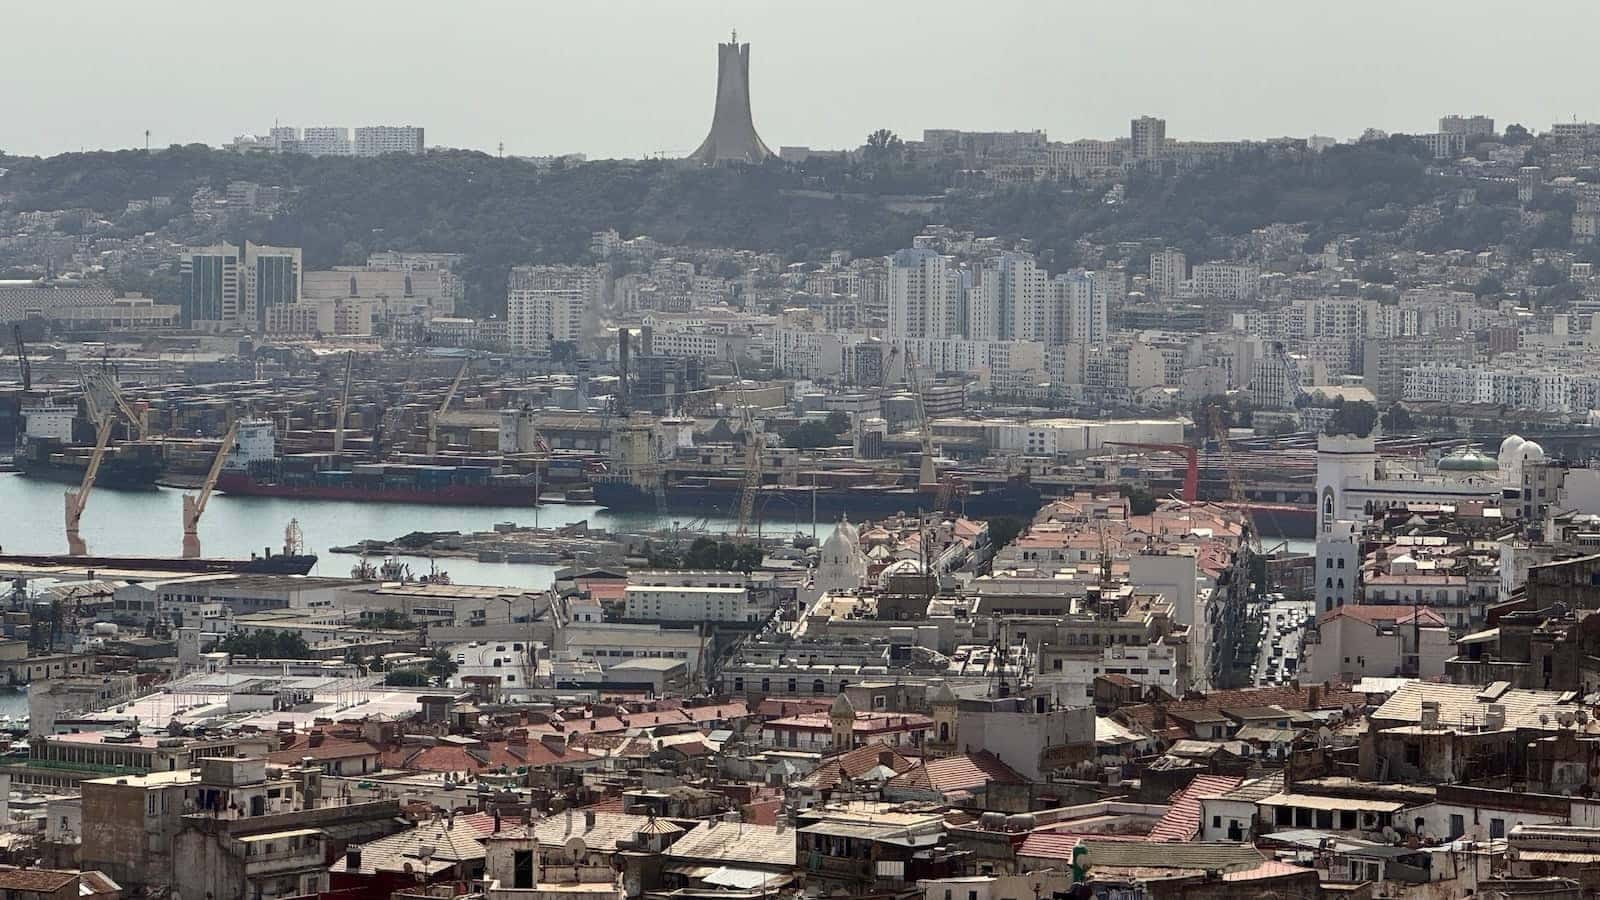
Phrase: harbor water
(150, 523)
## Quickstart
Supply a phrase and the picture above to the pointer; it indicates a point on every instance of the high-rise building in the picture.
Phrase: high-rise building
(209, 284)
(285, 139)
(326, 141)
(546, 304)
(733, 135)
(271, 278)
(1082, 298)
(1472, 126)
(1149, 137)
(925, 295)
(1168, 269)
(376, 140)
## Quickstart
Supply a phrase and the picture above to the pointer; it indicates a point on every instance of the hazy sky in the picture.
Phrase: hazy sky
(633, 78)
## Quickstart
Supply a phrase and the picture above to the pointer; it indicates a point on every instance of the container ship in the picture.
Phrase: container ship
(712, 496)
(132, 466)
(301, 478)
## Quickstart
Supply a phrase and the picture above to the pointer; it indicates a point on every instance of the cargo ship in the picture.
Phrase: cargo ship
(255, 469)
(714, 496)
(380, 483)
(125, 467)
(271, 564)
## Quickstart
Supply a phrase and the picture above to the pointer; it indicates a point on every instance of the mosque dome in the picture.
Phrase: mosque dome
(1509, 447)
(1468, 460)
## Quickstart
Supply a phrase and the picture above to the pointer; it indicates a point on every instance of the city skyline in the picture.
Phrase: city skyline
(822, 80)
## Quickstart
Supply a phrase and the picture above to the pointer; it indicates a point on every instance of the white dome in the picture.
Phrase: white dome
(1509, 448)
(1530, 452)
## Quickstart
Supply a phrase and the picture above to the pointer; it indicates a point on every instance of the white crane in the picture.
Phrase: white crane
(195, 506)
(78, 500)
(344, 406)
(433, 417)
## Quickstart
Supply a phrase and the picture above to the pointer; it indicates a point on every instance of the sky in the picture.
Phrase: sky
(629, 78)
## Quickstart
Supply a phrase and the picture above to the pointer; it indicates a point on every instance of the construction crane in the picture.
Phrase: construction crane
(25, 367)
(1191, 474)
(195, 506)
(344, 405)
(1219, 431)
(78, 500)
(927, 471)
(433, 417)
(754, 447)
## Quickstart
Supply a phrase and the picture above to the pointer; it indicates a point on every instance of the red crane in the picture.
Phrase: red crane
(1191, 474)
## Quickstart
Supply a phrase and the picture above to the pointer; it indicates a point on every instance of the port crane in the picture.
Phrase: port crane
(754, 447)
(340, 412)
(77, 501)
(138, 423)
(433, 417)
(25, 368)
(195, 506)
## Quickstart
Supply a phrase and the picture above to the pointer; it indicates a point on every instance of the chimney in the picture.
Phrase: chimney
(1430, 715)
(1314, 696)
(497, 821)
(556, 743)
(588, 820)
(1494, 717)
(886, 758)
(317, 738)
(352, 859)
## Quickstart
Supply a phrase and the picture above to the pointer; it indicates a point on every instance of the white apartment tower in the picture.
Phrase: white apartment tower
(1169, 268)
(924, 295)
(376, 140)
(545, 304)
(1081, 299)
(326, 141)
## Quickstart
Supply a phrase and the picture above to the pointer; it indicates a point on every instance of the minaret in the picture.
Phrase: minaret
(733, 135)
(842, 719)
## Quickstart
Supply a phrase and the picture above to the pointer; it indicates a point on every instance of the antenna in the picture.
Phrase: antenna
(147, 140)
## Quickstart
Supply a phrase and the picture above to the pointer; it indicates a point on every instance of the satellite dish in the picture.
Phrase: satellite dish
(1390, 835)
(576, 847)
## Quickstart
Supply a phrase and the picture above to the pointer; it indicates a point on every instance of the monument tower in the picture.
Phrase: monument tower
(733, 135)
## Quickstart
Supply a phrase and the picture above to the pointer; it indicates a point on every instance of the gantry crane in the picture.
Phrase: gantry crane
(195, 506)
(25, 368)
(433, 417)
(339, 414)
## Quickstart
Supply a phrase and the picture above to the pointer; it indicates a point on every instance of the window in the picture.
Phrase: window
(1458, 826)
(522, 869)
(1216, 821)
(1497, 828)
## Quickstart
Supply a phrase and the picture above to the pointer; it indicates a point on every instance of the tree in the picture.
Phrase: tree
(441, 666)
(1353, 419)
(1397, 419)
(1516, 135)
(811, 435)
(883, 145)
(267, 644)
(406, 678)
(838, 421)
(392, 619)
(1003, 531)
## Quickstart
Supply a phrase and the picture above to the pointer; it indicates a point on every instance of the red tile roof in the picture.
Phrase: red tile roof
(1059, 844)
(853, 763)
(1181, 822)
(1289, 697)
(1268, 869)
(959, 773)
(330, 748)
(1373, 613)
(447, 758)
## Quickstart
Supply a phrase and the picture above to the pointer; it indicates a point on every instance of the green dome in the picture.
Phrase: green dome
(1469, 459)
